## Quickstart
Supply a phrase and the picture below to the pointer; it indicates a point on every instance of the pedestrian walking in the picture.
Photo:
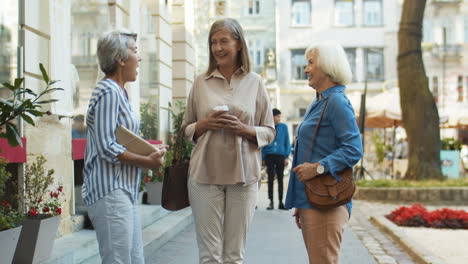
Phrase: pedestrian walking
(229, 118)
(275, 158)
(111, 173)
(337, 146)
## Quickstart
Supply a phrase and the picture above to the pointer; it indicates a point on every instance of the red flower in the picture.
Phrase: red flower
(147, 178)
(159, 174)
(5, 203)
(60, 188)
(32, 211)
(59, 211)
(46, 209)
(417, 215)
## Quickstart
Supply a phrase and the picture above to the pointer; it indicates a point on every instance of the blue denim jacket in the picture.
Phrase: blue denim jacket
(337, 145)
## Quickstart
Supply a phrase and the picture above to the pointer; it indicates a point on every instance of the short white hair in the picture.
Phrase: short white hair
(113, 46)
(332, 60)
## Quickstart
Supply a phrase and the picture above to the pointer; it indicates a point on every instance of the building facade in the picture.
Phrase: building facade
(62, 35)
(445, 50)
(367, 29)
(258, 20)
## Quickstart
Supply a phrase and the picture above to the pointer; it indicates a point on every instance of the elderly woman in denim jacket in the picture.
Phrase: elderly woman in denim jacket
(336, 147)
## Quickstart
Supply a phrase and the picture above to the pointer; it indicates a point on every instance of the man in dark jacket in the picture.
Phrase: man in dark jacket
(275, 157)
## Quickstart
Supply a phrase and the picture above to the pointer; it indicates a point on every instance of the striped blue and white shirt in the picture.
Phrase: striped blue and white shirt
(108, 108)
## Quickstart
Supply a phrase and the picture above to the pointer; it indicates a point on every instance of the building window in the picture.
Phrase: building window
(220, 7)
(351, 54)
(256, 54)
(344, 13)
(253, 7)
(8, 44)
(374, 64)
(372, 12)
(298, 64)
(448, 25)
(302, 112)
(460, 88)
(301, 10)
(435, 88)
(465, 31)
(427, 31)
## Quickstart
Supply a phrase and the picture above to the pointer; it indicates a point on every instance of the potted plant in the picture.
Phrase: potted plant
(180, 148)
(21, 106)
(25, 104)
(151, 179)
(9, 220)
(42, 205)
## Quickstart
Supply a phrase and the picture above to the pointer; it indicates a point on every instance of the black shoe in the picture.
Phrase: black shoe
(270, 207)
(281, 206)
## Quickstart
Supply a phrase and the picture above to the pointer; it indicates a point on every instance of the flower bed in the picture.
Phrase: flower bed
(417, 215)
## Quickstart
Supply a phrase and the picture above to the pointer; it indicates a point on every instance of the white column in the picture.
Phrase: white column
(183, 49)
(161, 15)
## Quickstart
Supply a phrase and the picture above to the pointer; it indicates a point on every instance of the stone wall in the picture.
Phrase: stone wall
(435, 194)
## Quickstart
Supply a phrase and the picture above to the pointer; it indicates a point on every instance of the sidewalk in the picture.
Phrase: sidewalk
(273, 239)
(429, 245)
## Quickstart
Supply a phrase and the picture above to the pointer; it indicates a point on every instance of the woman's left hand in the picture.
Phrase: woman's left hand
(306, 171)
(233, 124)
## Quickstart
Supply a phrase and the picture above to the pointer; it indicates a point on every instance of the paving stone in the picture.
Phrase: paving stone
(385, 260)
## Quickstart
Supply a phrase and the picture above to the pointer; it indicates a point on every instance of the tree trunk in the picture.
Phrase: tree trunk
(420, 115)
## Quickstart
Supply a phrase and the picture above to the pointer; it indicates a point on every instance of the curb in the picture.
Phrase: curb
(420, 254)
(453, 195)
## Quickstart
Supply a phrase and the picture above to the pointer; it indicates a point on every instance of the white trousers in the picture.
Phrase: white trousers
(222, 215)
(116, 220)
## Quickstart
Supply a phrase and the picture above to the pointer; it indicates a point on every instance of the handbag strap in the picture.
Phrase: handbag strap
(316, 130)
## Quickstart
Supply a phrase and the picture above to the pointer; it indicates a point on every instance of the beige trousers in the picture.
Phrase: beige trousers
(322, 231)
(222, 215)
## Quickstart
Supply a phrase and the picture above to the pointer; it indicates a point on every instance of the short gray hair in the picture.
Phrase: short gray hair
(112, 47)
(332, 60)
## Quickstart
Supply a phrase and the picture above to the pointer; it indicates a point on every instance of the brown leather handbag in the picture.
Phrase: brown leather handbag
(175, 192)
(324, 191)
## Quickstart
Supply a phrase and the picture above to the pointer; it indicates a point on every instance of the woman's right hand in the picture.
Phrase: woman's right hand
(297, 217)
(155, 159)
(212, 122)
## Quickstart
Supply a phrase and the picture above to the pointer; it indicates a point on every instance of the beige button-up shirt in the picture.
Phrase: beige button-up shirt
(221, 157)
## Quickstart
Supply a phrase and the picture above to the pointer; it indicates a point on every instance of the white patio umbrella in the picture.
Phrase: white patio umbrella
(384, 110)
(457, 114)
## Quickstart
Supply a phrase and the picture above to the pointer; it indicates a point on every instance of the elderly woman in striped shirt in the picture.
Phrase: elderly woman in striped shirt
(111, 173)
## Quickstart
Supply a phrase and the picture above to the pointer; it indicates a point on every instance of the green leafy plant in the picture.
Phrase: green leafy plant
(451, 144)
(24, 107)
(379, 146)
(149, 121)
(40, 200)
(180, 147)
(9, 216)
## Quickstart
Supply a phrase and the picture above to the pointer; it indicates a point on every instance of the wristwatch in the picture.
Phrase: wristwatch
(320, 169)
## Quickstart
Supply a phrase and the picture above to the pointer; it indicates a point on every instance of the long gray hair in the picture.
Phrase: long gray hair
(112, 47)
(237, 33)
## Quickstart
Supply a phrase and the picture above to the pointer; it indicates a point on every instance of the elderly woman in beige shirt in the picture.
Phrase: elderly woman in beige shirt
(229, 117)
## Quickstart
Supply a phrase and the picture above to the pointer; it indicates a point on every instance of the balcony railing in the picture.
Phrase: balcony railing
(451, 51)
(446, 1)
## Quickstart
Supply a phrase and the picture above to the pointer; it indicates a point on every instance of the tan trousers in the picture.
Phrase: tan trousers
(322, 231)
(222, 215)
